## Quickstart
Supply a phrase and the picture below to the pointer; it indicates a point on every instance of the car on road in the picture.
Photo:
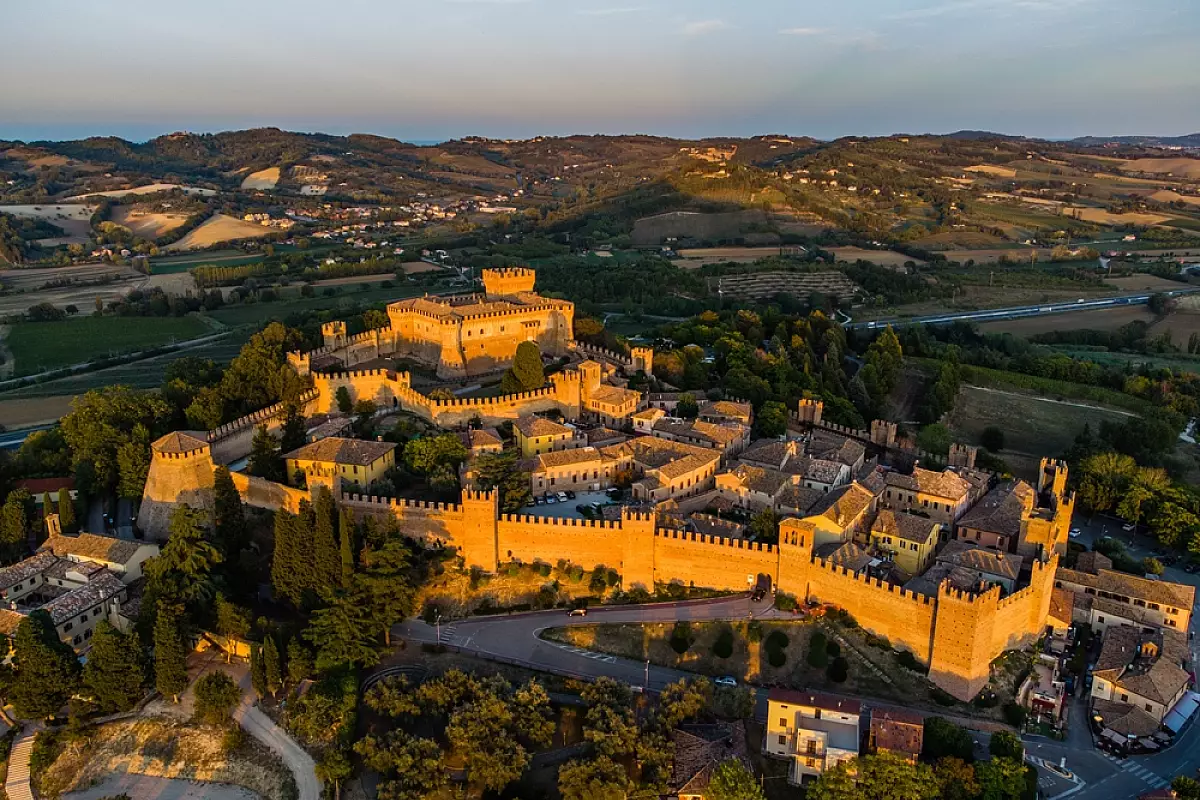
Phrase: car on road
(577, 612)
(1075, 533)
(725, 680)
(1128, 526)
(570, 494)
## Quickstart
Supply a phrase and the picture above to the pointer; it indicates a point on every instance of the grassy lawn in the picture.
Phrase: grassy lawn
(1046, 427)
(38, 346)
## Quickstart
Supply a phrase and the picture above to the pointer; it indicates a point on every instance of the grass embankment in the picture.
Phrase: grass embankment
(165, 748)
(40, 346)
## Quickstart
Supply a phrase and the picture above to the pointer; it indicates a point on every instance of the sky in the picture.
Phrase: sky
(436, 69)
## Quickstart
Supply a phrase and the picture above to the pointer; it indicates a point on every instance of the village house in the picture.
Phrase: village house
(1138, 678)
(843, 514)
(944, 495)
(969, 569)
(354, 461)
(1103, 597)
(1043, 691)
(665, 470)
(480, 441)
(910, 540)
(720, 412)
(535, 435)
(698, 750)
(815, 732)
(582, 469)
(897, 731)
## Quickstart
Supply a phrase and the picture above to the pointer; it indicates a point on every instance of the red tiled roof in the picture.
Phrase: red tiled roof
(815, 699)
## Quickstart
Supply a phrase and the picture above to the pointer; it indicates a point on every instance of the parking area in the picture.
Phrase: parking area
(569, 509)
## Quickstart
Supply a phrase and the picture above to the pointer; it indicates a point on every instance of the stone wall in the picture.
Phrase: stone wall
(712, 561)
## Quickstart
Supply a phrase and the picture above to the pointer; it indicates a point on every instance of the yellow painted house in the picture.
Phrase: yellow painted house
(537, 435)
(912, 540)
(353, 460)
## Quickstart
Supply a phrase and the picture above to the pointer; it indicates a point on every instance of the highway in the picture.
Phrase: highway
(1016, 312)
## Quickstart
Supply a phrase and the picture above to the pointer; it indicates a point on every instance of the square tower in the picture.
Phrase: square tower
(511, 280)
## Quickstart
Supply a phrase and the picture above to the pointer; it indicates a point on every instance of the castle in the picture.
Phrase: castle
(956, 620)
(460, 335)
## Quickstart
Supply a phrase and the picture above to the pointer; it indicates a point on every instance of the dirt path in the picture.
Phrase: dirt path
(146, 787)
(1052, 400)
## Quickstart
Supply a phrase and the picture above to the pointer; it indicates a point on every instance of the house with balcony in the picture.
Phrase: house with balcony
(1137, 679)
(815, 732)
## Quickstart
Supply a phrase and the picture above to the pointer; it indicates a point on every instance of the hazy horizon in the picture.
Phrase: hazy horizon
(442, 69)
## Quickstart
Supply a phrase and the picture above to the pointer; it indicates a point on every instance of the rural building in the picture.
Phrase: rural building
(39, 487)
(1104, 597)
(582, 469)
(482, 440)
(910, 540)
(944, 495)
(122, 557)
(351, 460)
(698, 750)
(535, 435)
(815, 732)
(897, 731)
(1138, 678)
(842, 514)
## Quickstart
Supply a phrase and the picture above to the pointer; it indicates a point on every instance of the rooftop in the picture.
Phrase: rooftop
(699, 749)
(563, 458)
(946, 483)
(981, 559)
(100, 588)
(844, 504)
(897, 730)
(93, 547)
(1000, 511)
(336, 450)
(795, 697)
(180, 442)
(482, 439)
(904, 526)
(1147, 664)
(1177, 595)
(1125, 718)
(844, 554)
(533, 426)
(25, 569)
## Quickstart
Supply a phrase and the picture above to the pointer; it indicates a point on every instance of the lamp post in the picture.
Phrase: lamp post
(438, 621)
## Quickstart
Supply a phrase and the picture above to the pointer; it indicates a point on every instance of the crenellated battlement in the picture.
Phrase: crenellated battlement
(258, 417)
(892, 589)
(409, 505)
(560, 522)
(184, 455)
(719, 541)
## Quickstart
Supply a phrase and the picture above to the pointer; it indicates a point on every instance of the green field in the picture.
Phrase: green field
(352, 296)
(226, 258)
(40, 346)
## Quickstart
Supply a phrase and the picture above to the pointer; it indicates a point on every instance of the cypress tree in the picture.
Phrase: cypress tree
(46, 668)
(327, 561)
(264, 456)
(66, 511)
(47, 508)
(258, 671)
(526, 372)
(299, 662)
(115, 672)
(170, 655)
(272, 669)
(292, 434)
(229, 519)
(286, 577)
(347, 548)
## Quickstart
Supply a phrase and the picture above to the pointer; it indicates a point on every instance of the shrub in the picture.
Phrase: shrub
(681, 637)
(233, 739)
(216, 698)
(909, 661)
(839, 670)
(942, 698)
(543, 569)
(723, 646)
(776, 658)
(754, 632)
(818, 656)
(785, 601)
(833, 648)
(1015, 715)
(776, 640)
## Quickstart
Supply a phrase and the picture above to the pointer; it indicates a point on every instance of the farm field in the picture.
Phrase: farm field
(147, 189)
(73, 218)
(216, 229)
(262, 313)
(263, 179)
(225, 258)
(696, 225)
(694, 258)
(27, 286)
(39, 346)
(952, 240)
(991, 169)
(990, 255)
(1178, 167)
(1105, 217)
(975, 297)
(25, 412)
(1142, 282)
(147, 225)
(1169, 196)
(1048, 426)
(884, 258)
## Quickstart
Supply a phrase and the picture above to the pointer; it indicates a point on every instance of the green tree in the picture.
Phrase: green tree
(346, 553)
(45, 669)
(292, 434)
(526, 372)
(288, 576)
(771, 420)
(217, 695)
(944, 739)
(374, 318)
(732, 781)
(935, 438)
(299, 662)
(334, 767)
(818, 651)
(437, 458)
(232, 619)
(765, 526)
(1186, 788)
(483, 734)
(839, 670)
(346, 632)
(345, 403)
(955, 779)
(500, 471)
(598, 778)
(992, 439)
(878, 776)
(1006, 744)
(683, 700)
(229, 518)
(272, 669)
(133, 463)
(411, 765)
(265, 461)
(258, 671)
(14, 522)
(115, 673)
(183, 571)
(327, 561)
(1000, 779)
(66, 511)
(170, 655)
(687, 407)
(387, 585)
(102, 421)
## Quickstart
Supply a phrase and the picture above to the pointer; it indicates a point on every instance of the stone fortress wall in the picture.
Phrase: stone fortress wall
(956, 633)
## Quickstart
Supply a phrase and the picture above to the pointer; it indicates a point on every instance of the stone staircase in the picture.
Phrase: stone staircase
(17, 785)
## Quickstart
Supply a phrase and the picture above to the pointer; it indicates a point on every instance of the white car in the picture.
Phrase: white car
(1128, 526)
(725, 680)
(1075, 533)
(551, 499)
(562, 497)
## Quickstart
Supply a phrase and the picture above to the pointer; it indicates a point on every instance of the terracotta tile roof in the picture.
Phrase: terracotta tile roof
(1000, 511)
(699, 749)
(39, 486)
(798, 498)
(1177, 595)
(844, 554)
(532, 426)
(1062, 601)
(715, 526)
(93, 547)
(614, 396)
(84, 568)
(1093, 562)
(769, 453)
(821, 470)
(904, 526)
(945, 484)
(482, 439)
(834, 447)
(897, 731)
(25, 569)
(337, 450)
(9, 621)
(759, 479)
(100, 588)
(795, 697)
(686, 465)
(727, 409)
(1157, 676)
(180, 442)
(562, 458)
(1125, 719)
(844, 504)
(981, 559)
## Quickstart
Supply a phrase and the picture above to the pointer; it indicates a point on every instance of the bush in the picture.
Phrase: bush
(776, 640)
(909, 661)
(833, 648)
(818, 656)
(754, 632)
(785, 601)
(992, 439)
(233, 739)
(216, 698)
(723, 646)
(776, 658)
(1015, 715)
(839, 670)
(942, 698)
(681, 637)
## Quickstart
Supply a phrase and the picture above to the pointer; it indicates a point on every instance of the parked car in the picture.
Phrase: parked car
(1075, 533)
(570, 494)
(563, 497)
(538, 500)
(577, 612)
(551, 499)
(1129, 526)
(725, 680)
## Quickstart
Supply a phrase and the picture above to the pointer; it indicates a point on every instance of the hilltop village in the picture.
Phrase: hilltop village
(947, 561)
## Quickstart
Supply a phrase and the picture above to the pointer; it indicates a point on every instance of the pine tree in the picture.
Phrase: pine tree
(46, 670)
(183, 571)
(526, 372)
(327, 561)
(66, 511)
(272, 669)
(47, 508)
(115, 673)
(258, 671)
(133, 463)
(264, 459)
(286, 579)
(346, 632)
(292, 434)
(386, 584)
(347, 548)
(14, 522)
(299, 662)
(229, 519)
(170, 655)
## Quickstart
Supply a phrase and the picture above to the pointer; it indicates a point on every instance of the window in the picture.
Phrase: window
(783, 722)
(811, 748)
(1100, 619)
(76, 640)
(1124, 697)
(783, 740)
(17, 588)
(68, 626)
(811, 763)
(817, 714)
(1150, 708)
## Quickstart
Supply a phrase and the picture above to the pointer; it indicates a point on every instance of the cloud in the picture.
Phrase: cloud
(703, 26)
(802, 31)
(962, 6)
(608, 12)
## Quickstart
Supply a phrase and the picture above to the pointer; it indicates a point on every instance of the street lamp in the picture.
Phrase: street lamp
(646, 680)
(438, 621)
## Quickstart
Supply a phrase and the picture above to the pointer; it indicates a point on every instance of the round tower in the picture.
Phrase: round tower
(181, 471)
